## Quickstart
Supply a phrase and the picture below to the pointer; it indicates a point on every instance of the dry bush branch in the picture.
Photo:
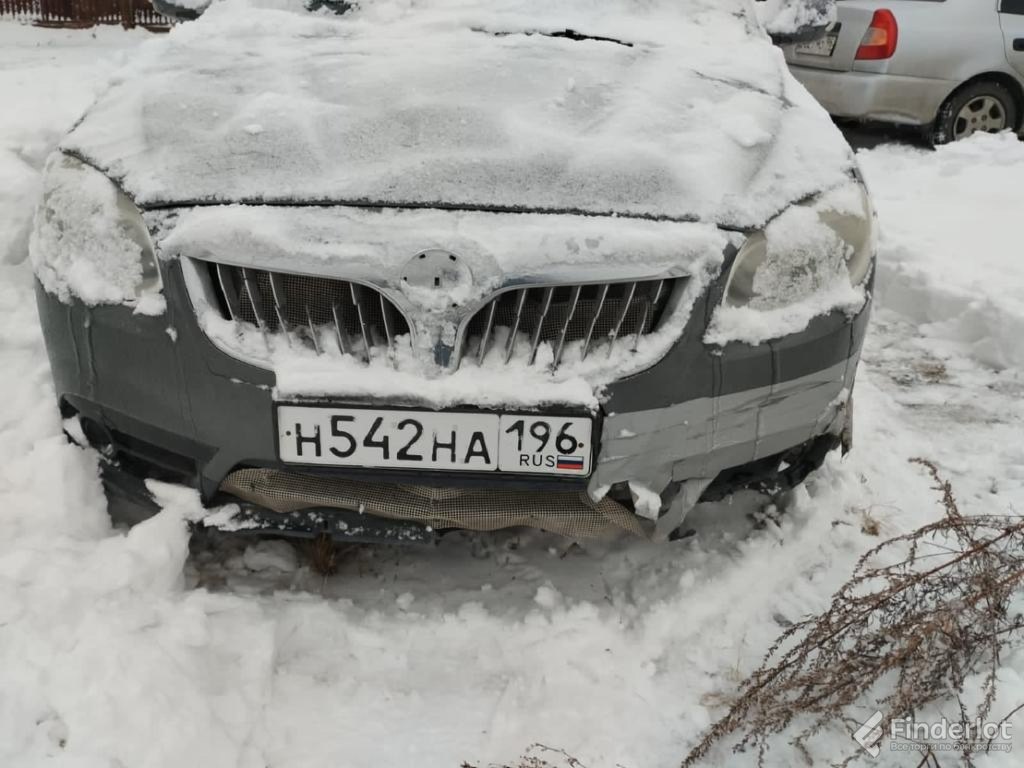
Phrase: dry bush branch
(921, 613)
(323, 555)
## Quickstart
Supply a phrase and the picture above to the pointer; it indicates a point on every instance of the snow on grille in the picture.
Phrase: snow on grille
(598, 315)
(308, 309)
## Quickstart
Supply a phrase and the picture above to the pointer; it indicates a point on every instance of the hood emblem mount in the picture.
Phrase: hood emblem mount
(437, 272)
(440, 284)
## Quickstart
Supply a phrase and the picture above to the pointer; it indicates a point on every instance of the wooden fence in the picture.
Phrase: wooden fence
(84, 13)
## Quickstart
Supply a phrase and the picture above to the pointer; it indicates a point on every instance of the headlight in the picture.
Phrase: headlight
(90, 242)
(805, 249)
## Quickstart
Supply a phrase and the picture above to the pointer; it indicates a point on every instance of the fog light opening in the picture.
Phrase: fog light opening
(99, 436)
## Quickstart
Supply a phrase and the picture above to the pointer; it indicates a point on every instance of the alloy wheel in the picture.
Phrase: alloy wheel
(983, 113)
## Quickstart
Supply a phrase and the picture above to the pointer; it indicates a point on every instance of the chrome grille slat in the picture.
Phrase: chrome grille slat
(646, 313)
(593, 323)
(303, 307)
(387, 325)
(482, 352)
(277, 289)
(511, 345)
(339, 334)
(589, 315)
(312, 330)
(548, 293)
(622, 318)
(229, 291)
(362, 322)
(565, 326)
(252, 292)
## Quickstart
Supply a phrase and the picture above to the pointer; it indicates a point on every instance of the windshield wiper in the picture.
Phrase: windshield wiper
(569, 34)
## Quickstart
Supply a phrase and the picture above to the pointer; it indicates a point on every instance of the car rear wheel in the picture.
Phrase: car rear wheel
(983, 107)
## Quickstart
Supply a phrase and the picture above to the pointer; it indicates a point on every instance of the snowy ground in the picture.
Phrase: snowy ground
(477, 649)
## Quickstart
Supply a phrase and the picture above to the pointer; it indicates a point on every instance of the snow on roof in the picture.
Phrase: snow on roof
(451, 103)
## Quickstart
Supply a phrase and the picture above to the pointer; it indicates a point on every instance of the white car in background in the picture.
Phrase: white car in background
(952, 67)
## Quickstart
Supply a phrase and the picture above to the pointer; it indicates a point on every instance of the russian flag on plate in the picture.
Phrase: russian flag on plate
(569, 462)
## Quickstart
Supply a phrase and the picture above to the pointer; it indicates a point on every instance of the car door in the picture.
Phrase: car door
(1011, 18)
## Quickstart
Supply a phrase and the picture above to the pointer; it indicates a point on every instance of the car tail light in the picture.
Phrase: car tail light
(879, 41)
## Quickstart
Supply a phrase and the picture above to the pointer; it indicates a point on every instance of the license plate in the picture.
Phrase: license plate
(466, 442)
(824, 46)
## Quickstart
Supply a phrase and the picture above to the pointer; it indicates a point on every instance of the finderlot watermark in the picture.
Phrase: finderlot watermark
(906, 734)
(869, 735)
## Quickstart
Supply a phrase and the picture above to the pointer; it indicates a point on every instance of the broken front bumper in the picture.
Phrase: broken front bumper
(161, 400)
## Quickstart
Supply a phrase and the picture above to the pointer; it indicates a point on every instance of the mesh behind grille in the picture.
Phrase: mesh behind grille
(568, 513)
(303, 306)
(594, 314)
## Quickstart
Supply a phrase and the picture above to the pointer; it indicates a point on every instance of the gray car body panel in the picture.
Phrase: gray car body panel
(942, 44)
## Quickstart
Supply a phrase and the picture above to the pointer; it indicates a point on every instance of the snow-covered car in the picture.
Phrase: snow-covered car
(449, 264)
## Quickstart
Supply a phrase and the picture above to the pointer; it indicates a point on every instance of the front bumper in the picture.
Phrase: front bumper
(160, 397)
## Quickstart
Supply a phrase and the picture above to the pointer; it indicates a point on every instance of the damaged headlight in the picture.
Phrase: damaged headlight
(90, 241)
(807, 248)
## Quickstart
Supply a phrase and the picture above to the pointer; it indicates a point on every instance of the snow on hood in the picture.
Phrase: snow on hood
(459, 104)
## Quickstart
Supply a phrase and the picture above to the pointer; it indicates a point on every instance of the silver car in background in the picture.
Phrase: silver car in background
(952, 67)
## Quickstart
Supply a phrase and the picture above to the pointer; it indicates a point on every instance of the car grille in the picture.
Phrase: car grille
(515, 323)
(552, 325)
(313, 311)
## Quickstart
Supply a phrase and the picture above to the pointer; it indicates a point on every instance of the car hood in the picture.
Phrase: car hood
(683, 111)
